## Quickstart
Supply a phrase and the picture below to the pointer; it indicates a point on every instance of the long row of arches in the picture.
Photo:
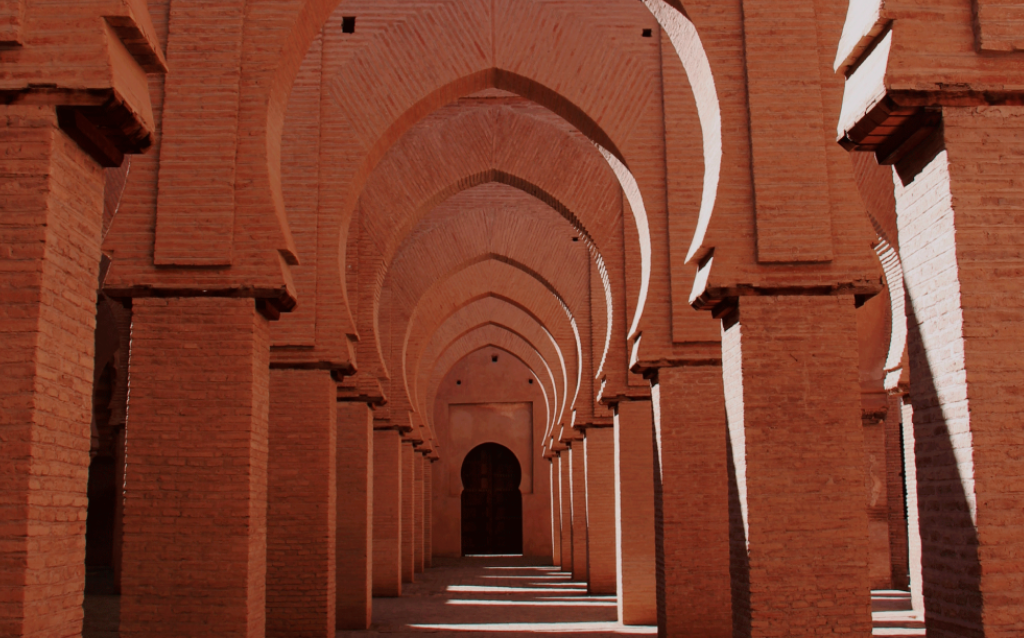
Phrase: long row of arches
(271, 263)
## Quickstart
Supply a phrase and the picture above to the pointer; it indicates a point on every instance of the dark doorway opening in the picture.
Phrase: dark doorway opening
(492, 505)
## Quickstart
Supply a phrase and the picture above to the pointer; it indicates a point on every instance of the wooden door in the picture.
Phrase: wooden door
(492, 506)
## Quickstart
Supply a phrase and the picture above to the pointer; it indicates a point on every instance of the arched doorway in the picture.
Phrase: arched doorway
(492, 506)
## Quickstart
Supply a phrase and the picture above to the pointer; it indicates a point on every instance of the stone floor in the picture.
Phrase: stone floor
(490, 597)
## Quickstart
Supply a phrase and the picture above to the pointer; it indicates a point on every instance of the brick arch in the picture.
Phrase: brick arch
(601, 67)
(432, 164)
(545, 374)
(494, 336)
(576, 346)
(491, 278)
(497, 311)
(504, 224)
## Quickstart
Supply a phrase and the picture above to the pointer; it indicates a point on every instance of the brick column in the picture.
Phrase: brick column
(578, 481)
(599, 447)
(877, 501)
(556, 511)
(634, 513)
(428, 512)
(565, 510)
(51, 209)
(691, 496)
(959, 210)
(418, 518)
(195, 534)
(899, 557)
(355, 515)
(408, 512)
(302, 504)
(387, 513)
(799, 527)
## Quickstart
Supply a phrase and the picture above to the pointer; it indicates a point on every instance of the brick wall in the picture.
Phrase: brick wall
(691, 517)
(957, 206)
(599, 447)
(428, 512)
(302, 504)
(634, 512)
(387, 513)
(797, 450)
(51, 207)
(408, 488)
(578, 482)
(418, 501)
(196, 476)
(565, 510)
(355, 515)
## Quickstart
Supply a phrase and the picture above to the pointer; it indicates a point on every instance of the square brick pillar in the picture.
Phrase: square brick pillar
(355, 516)
(565, 510)
(428, 512)
(408, 513)
(691, 497)
(877, 502)
(302, 504)
(634, 513)
(796, 470)
(418, 520)
(195, 515)
(899, 535)
(556, 511)
(387, 513)
(51, 209)
(578, 482)
(960, 213)
(599, 454)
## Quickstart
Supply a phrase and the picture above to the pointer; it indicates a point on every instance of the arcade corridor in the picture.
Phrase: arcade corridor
(509, 596)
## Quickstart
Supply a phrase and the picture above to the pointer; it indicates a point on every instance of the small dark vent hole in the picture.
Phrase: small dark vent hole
(646, 33)
(575, 238)
(348, 24)
(530, 381)
(459, 382)
(494, 358)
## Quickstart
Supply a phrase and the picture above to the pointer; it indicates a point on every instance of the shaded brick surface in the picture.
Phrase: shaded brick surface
(387, 513)
(800, 563)
(600, 476)
(302, 501)
(578, 479)
(691, 517)
(195, 535)
(634, 512)
(51, 209)
(355, 490)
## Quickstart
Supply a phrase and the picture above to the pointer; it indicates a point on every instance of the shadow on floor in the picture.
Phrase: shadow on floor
(488, 596)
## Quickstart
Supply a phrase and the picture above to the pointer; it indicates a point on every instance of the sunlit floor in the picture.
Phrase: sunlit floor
(489, 596)
(495, 596)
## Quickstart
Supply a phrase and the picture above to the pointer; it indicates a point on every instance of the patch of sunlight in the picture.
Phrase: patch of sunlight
(577, 602)
(545, 628)
(529, 576)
